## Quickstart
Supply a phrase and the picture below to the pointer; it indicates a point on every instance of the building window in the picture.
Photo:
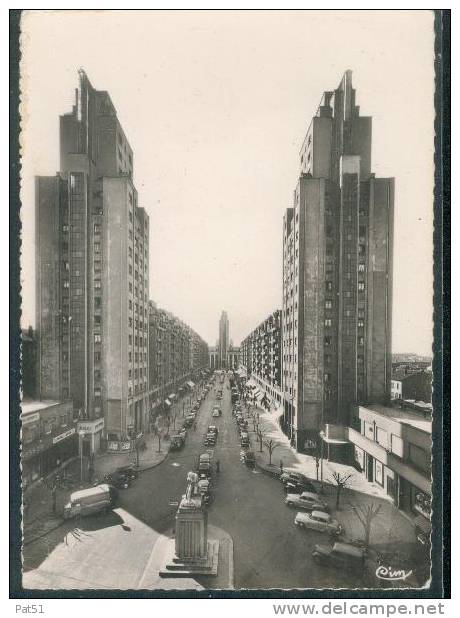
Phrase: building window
(361, 286)
(97, 338)
(328, 322)
(361, 268)
(329, 304)
(97, 247)
(329, 286)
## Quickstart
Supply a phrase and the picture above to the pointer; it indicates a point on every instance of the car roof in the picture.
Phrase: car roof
(321, 515)
(351, 550)
(308, 494)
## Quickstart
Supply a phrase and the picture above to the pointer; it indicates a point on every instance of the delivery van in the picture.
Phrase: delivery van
(90, 501)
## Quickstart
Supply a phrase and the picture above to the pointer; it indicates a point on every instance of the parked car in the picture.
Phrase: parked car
(118, 480)
(204, 469)
(294, 477)
(205, 457)
(340, 555)
(177, 442)
(245, 439)
(249, 458)
(300, 487)
(213, 429)
(90, 501)
(318, 520)
(129, 470)
(306, 501)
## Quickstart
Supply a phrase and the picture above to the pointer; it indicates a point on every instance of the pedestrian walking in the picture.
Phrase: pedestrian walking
(217, 466)
(281, 466)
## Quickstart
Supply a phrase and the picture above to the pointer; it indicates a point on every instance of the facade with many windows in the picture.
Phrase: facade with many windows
(337, 274)
(178, 355)
(92, 242)
(260, 357)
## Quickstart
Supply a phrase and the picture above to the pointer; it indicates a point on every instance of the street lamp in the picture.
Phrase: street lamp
(82, 434)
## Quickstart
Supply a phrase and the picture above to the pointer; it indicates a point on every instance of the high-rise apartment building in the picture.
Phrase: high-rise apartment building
(92, 243)
(337, 274)
(224, 339)
(260, 356)
(177, 356)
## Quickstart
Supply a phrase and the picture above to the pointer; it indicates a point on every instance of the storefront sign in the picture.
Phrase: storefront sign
(30, 418)
(91, 426)
(64, 435)
(125, 446)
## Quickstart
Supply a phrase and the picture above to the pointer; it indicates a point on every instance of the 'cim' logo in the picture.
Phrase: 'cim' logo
(383, 572)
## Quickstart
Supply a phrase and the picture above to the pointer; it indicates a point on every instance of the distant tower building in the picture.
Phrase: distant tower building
(223, 339)
(92, 244)
(337, 275)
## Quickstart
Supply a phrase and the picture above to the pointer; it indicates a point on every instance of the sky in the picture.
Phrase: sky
(215, 105)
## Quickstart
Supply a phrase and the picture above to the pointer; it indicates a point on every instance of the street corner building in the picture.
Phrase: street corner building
(337, 278)
(92, 247)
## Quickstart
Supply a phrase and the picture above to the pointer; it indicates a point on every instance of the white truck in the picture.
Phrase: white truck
(90, 501)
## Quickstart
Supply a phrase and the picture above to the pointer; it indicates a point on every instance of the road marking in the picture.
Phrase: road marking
(174, 463)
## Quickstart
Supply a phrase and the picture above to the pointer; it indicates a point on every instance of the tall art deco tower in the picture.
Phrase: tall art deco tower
(337, 274)
(92, 243)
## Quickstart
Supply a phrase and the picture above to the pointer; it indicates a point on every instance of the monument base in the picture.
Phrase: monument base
(172, 566)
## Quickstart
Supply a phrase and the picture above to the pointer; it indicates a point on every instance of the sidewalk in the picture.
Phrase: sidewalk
(104, 463)
(38, 516)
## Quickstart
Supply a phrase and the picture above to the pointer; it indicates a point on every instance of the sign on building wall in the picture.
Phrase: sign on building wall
(64, 435)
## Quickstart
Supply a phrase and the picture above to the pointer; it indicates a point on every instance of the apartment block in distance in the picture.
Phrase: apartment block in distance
(337, 277)
(260, 357)
(178, 358)
(92, 242)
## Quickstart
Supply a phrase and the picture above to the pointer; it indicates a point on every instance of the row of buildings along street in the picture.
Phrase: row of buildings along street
(117, 389)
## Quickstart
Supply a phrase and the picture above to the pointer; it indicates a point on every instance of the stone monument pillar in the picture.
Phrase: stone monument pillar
(191, 529)
(191, 553)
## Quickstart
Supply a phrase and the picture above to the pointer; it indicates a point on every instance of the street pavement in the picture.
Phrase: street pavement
(113, 551)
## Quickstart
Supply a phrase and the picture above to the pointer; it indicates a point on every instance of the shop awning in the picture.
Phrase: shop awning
(167, 402)
(191, 384)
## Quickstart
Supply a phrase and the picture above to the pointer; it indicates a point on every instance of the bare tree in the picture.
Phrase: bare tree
(260, 436)
(271, 445)
(366, 515)
(341, 481)
(157, 434)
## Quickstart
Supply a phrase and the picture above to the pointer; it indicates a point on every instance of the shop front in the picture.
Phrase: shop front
(91, 434)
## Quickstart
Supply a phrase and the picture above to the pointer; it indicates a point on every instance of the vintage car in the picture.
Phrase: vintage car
(318, 520)
(177, 442)
(340, 555)
(306, 501)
